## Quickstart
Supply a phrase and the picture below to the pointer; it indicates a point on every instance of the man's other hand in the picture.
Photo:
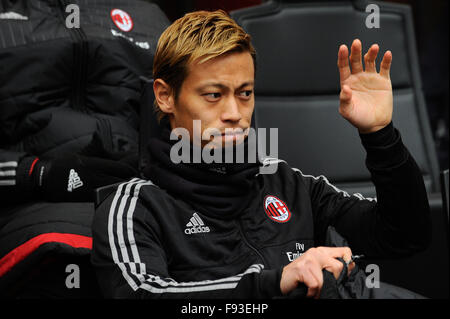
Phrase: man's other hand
(307, 269)
(366, 95)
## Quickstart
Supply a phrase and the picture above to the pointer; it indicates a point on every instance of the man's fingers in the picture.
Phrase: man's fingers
(335, 267)
(370, 57)
(314, 281)
(355, 57)
(350, 267)
(385, 66)
(309, 269)
(344, 68)
(337, 252)
(356, 60)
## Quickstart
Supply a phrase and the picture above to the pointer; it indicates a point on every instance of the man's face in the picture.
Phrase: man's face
(219, 93)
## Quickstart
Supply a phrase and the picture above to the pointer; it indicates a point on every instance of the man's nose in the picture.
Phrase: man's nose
(231, 112)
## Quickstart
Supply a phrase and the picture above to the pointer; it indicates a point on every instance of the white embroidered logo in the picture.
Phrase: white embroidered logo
(196, 225)
(74, 181)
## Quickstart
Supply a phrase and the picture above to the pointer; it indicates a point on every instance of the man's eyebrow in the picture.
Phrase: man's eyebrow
(221, 86)
(246, 84)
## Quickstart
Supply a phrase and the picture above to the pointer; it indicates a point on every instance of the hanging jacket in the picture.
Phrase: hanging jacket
(61, 82)
(60, 86)
(356, 284)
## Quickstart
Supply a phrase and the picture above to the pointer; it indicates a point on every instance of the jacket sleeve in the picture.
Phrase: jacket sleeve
(131, 263)
(14, 168)
(397, 223)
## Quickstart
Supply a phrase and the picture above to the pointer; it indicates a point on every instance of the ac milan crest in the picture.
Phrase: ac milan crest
(276, 209)
(122, 20)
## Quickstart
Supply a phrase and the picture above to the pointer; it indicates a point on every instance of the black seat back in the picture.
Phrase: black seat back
(297, 85)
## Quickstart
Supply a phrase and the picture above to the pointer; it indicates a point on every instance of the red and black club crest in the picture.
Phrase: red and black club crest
(276, 209)
(122, 20)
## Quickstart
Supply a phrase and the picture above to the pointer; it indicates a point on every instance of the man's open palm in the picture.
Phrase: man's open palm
(366, 95)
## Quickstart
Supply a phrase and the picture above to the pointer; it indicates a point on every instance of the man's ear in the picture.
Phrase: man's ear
(164, 96)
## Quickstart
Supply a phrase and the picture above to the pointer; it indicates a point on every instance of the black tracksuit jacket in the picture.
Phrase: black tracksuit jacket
(149, 244)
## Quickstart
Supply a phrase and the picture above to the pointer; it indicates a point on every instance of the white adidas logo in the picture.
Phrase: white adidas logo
(196, 225)
(74, 181)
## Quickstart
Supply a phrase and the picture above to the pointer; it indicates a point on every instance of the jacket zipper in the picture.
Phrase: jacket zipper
(80, 61)
(250, 245)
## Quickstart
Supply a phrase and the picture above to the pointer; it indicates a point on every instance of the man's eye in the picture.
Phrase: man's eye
(212, 96)
(246, 93)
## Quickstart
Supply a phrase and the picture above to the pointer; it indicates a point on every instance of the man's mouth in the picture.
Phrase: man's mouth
(234, 134)
(232, 137)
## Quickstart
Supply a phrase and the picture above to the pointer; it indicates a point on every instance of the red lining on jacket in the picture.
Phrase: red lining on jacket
(19, 253)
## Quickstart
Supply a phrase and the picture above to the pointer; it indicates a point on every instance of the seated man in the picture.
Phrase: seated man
(197, 229)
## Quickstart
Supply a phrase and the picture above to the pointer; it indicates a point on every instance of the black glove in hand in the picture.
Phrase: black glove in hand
(73, 178)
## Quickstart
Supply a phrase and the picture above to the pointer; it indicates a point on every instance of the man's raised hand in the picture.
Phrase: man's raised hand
(366, 95)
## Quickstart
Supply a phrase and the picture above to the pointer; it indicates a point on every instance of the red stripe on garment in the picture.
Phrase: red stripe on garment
(19, 253)
(268, 211)
(270, 208)
(274, 210)
(32, 166)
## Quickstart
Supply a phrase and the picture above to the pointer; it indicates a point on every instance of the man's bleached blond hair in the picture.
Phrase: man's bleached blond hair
(196, 37)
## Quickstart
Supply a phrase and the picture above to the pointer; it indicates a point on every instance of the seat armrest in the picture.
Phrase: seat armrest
(103, 192)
